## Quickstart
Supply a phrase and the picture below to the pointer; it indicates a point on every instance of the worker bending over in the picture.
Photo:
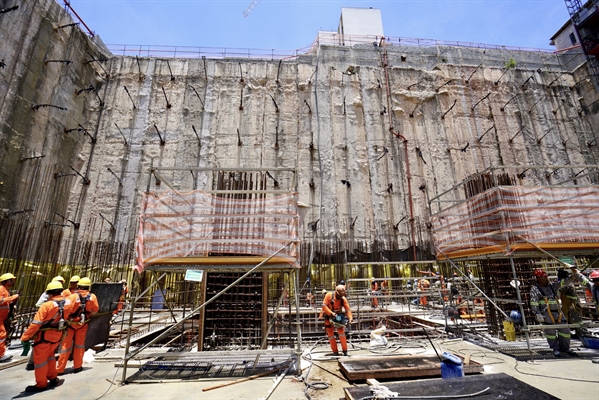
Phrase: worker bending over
(336, 312)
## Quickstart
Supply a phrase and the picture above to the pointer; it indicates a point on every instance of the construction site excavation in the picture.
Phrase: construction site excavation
(370, 217)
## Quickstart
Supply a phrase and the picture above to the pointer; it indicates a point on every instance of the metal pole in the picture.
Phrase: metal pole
(474, 284)
(128, 342)
(298, 346)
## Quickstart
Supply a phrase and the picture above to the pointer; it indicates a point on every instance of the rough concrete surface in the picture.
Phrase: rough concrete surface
(568, 378)
(328, 114)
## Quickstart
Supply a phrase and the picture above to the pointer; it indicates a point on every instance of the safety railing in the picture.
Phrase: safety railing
(324, 38)
(199, 52)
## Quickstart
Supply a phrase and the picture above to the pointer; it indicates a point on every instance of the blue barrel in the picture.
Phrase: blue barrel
(451, 366)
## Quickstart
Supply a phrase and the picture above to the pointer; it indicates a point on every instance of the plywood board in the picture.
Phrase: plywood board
(501, 386)
(397, 367)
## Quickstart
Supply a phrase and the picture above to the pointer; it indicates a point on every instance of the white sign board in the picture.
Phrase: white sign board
(194, 275)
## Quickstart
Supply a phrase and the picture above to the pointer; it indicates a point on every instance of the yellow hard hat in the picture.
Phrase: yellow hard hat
(58, 278)
(6, 277)
(85, 282)
(75, 278)
(54, 285)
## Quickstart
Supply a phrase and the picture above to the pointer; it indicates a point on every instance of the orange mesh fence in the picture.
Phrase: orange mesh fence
(201, 224)
(537, 214)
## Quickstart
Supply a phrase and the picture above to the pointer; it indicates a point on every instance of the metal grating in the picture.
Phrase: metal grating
(539, 350)
(193, 366)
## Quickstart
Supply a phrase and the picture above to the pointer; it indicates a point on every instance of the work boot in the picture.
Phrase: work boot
(336, 353)
(345, 353)
(570, 353)
(55, 382)
(77, 370)
(556, 353)
(34, 388)
(5, 358)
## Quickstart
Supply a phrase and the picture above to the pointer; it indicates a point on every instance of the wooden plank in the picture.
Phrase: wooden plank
(397, 367)
(13, 363)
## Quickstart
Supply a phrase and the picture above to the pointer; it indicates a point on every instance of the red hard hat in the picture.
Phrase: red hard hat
(594, 274)
(540, 273)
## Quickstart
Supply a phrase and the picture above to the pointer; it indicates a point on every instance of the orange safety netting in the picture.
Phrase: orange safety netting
(194, 225)
(563, 218)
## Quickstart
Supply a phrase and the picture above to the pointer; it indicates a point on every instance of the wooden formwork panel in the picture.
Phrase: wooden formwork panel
(397, 367)
(492, 386)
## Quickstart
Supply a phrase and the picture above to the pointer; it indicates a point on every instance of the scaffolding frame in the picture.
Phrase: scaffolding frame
(233, 263)
(496, 219)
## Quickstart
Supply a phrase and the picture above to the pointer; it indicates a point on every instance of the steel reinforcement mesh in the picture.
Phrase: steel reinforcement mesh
(190, 366)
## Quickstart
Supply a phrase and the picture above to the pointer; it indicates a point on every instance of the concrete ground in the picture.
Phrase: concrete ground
(567, 378)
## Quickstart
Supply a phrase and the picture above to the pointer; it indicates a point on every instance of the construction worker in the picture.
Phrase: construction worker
(545, 306)
(310, 299)
(6, 282)
(423, 286)
(72, 286)
(44, 296)
(374, 292)
(48, 327)
(87, 306)
(591, 284)
(121, 303)
(336, 312)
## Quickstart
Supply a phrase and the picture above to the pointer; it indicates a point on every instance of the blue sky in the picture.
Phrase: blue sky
(292, 24)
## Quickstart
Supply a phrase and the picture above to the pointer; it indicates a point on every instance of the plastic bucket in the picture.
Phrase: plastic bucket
(451, 366)
(590, 342)
(451, 370)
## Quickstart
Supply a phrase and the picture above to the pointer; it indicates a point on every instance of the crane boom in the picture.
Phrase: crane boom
(248, 10)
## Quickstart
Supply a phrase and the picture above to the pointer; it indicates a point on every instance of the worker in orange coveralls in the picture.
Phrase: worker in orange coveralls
(48, 327)
(121, 302)
(6, 281)
(374, 292)
(72, 289)
(334, 308)
(423, 285)
(87, 305)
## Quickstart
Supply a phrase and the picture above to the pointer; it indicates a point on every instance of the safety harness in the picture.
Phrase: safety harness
(80, 311)
(52, 324)
(548, 303)
(341, 318)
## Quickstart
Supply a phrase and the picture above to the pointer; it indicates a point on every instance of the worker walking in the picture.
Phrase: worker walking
(6, 282)
(86, 306)
(48, 327)
(544, 304)
(336, 312)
